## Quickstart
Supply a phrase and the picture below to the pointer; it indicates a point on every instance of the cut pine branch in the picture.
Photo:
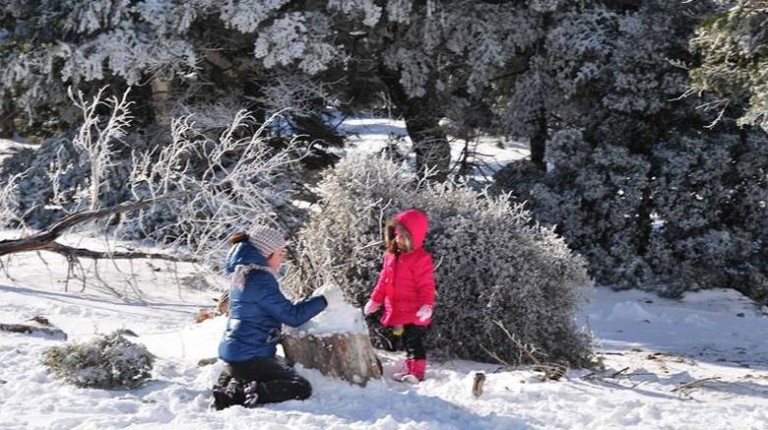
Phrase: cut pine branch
(74, 253)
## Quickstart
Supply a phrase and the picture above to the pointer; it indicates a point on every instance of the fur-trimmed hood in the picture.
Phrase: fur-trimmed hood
(414, 225)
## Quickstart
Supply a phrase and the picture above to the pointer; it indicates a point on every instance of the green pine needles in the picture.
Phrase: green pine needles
(108, 362)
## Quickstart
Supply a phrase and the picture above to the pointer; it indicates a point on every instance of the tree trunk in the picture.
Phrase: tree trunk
(6, 124)
(348, 356)
(430, 145)
(161, 94)
(422, 116)
(539, 140)
(541, 127)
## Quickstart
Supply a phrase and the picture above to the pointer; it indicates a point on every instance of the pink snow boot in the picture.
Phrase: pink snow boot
(406, 369)
(419, 368)
(416, 371)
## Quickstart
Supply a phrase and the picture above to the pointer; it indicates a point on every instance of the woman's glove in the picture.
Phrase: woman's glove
(371, 307)
(424, 313)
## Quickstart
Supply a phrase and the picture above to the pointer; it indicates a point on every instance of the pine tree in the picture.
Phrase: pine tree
(634, 179)
(733, 44)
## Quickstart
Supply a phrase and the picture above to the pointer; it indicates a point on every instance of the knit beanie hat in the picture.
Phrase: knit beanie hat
(266, 239)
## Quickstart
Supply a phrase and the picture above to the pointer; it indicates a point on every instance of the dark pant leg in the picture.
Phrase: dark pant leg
(413, 341)
(276, 382)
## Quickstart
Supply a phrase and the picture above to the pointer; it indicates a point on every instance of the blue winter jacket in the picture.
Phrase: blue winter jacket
(257, 311)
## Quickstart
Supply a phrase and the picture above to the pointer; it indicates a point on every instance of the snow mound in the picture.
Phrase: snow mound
(699, 321)
(629, 311)
(338, 317)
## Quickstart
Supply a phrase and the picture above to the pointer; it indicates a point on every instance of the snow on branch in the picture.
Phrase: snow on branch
(234, 180)
(97, 135)
(189, 193)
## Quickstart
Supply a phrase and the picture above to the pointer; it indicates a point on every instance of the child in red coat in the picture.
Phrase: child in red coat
(406, 288)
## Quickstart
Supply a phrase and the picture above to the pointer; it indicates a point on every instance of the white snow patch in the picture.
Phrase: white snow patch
(338, 317)
(629, 311)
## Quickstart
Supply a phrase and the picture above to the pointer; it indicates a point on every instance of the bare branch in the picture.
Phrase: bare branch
(73, 253)
(44, 240)
(682, 388)
(528, 350)
(96, 135)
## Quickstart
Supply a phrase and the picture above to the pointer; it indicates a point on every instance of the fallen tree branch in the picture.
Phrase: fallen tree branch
(552, 371)
(528, 350)
(600, 375)
(45, 239)
(619, 372)
(73, 253)
(693, 384)
(495, 357)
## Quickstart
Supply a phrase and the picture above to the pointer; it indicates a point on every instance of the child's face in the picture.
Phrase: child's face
(276, 259)
(402, 242)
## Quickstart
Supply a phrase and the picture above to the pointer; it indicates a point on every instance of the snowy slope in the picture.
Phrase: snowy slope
(650, 346)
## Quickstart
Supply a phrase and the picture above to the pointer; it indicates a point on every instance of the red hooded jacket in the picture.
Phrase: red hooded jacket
(407, 282)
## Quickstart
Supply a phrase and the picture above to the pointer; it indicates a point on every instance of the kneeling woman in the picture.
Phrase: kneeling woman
(257, 311)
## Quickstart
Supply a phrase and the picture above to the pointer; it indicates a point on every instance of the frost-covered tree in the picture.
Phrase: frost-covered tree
(606, 87)
(231, 181)
(610, 68)
(643, 213)
(429, 60)
(516, 284)
(734, 48)
(188, 195)
(50, 45)
(594, 196)
(190, 57)
(711, 216)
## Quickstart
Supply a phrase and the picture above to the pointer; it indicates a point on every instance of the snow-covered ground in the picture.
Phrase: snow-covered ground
(489, 153)
(701, 362)
(696, 363)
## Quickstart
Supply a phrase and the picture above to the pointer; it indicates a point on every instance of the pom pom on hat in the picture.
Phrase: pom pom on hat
(266, 239)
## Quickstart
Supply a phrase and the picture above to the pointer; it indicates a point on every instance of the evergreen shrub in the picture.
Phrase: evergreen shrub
(495, 269)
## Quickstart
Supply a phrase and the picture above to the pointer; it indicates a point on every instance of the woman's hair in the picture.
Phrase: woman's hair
(238, 237)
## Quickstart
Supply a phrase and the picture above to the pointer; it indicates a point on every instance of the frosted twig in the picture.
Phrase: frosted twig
(528, 350)
(693, 384)
(495, 357)
(619, 372)
(96, 136)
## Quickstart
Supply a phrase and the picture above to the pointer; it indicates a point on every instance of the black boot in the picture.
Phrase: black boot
(221, 400)
(231, 395)
(251, 394)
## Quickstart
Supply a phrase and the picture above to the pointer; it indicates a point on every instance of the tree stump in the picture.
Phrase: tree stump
(348, 356)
